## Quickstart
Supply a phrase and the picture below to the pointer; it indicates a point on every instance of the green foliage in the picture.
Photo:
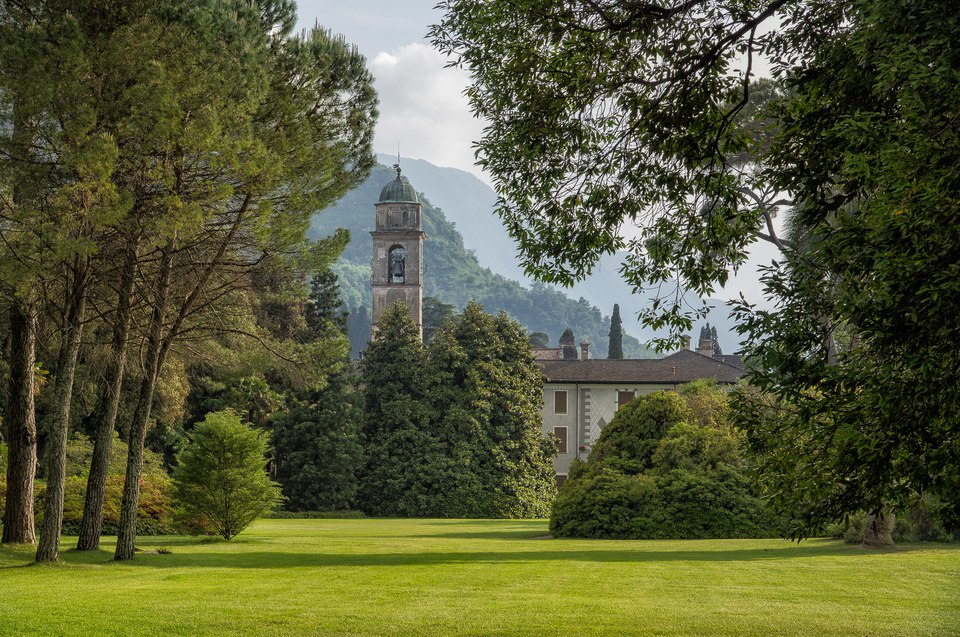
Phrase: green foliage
(324, 309)
(454, 431)
(690, 447)
(435, 314)
(396, 417)
(666, 469)
(630, 440)
(317, 448)
(487, 391)
(606, 114)
(708, 404)
(220, 479)
(607, 503)
(860, 354)
(668, 134)
(538, 339)
(156, 509)
(921, 523)
(3, 492)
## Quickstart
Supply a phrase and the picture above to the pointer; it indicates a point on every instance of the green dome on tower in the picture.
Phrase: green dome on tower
(400, 189)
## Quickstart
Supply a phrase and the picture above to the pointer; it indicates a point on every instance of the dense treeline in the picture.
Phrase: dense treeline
(453, 429)
(145, 198)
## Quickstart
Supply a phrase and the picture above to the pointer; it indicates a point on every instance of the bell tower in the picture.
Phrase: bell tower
(398, 250)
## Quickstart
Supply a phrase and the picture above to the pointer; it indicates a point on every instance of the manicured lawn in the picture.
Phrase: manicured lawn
(443, 577)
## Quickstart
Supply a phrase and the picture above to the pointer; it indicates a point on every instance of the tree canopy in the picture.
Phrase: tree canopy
(605, 115)
(453, 430)
(142, 195)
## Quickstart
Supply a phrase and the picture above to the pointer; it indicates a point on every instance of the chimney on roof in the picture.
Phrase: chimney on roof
(705, 347)
(568, 345)
(686, 341)
(585, 350)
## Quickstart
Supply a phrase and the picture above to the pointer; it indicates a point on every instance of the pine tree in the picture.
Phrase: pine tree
(325, 308)
(615, 349)
(358, 329)
(317, 447)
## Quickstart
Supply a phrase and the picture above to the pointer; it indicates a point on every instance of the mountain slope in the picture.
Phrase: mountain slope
(469, 203)
(454, 275)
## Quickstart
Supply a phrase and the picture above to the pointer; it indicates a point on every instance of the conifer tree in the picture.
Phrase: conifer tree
(616, 334)
(358, 329)
(455, 431)
(317, 448)
(396, 420)
(325, 308)
(716, 341)
(220, 478)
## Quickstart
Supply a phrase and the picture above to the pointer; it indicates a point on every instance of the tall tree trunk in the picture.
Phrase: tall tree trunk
(18, 524)
(878, 532)
(48, 550)
(109, 405)
(127, 533)
(158, 346)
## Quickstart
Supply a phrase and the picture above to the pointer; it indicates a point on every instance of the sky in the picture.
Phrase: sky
(422, 106)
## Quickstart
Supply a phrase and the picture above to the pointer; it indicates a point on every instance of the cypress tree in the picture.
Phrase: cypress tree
(716, 341)
(615, 349)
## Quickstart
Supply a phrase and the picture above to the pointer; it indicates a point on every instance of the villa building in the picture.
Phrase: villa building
(581, 395)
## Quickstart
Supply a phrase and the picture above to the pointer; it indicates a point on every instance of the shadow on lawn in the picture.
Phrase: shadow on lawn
(267, 560)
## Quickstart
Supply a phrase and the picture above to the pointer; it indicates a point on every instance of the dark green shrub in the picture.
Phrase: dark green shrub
(693, 448)
(653, 474)
(629, 441)
(317, 448)
(608, 504)
(698, 505)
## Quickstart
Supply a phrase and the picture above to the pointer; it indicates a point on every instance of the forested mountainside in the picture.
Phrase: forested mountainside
(454, 275)
(469, 203)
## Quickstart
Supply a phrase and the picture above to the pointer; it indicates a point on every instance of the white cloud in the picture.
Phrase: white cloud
(422, 107)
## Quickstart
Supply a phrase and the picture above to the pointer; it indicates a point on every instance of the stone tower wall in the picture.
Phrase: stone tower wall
(398, 224)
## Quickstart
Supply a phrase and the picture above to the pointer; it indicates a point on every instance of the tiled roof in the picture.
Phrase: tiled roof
(730, 359)
(682, 367)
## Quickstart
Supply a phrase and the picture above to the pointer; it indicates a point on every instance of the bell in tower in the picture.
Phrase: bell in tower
(398, 250)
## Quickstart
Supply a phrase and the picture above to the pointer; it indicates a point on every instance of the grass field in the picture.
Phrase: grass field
(442, 577)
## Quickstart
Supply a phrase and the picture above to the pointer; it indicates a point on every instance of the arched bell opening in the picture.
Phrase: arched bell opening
(397, 265)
